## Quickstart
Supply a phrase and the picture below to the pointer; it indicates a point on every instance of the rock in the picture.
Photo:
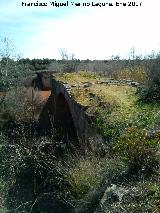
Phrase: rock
(87, 82)
(67, 86)
(74, 85)
(85, 85)
(104, 82)
(116, 194)
(115, 82)
(63, 82)
(110, 195)
(134, 84)
(128, 81)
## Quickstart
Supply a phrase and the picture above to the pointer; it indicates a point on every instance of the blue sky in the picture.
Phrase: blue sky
(94, 33)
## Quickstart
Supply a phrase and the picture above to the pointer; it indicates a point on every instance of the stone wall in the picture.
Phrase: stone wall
(80, 119)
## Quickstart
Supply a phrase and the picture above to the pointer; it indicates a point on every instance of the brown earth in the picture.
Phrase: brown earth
(44, 95)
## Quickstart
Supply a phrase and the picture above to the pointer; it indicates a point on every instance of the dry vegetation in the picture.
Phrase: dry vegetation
(136, 74)
(129, 154)
(132, 129)
(38, 173)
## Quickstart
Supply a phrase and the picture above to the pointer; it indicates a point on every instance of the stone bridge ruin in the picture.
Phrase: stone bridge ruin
(63, 113)
(67, 116)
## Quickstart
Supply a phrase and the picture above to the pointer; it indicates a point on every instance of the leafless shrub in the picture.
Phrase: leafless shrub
(24, 104)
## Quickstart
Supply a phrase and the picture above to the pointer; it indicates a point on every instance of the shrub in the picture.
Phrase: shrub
(151, 90)
(136, 74)
(85, 176)
(29, 170)
(22, 104)
(137, 150)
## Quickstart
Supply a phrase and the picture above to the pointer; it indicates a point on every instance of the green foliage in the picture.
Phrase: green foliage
(108, 130)
(150, 92)
(12, 73)
(137, 150)
(12, 69)
(84, 176)
(36, 64)
(87, 174)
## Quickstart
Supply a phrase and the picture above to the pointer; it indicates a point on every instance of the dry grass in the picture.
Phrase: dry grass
(107, 93)
(85, 176)
(24, 104)
(82, 96)
(89, 172)
(119, 100)
(137, 74)
(78, 77)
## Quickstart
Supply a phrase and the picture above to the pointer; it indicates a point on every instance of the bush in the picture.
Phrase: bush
(29, 170)
(136, 74)
(12, 73)
(151, 90)
(22, 104)
(85, 176)
(137, 150)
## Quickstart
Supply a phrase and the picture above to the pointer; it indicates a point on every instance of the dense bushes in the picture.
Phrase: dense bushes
(35, 177)
(151, 90)
(136, 74)
(137, 149)
(22, 105)
(12, 73)
(28, 172)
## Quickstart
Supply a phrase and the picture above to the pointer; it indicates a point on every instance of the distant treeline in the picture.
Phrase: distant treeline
(76, 64)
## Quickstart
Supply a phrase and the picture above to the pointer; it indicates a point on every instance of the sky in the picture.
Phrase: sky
(91, 32)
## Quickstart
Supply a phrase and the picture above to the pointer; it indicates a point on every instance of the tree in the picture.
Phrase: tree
(7, 48)
(63, 53)
(6, 54)
(71, 63)
(10, 69)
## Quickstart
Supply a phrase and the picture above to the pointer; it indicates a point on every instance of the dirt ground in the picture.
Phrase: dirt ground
(44, 95)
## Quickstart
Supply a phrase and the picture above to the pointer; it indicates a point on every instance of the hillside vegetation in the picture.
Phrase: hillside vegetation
(38, 176)
(130, 128)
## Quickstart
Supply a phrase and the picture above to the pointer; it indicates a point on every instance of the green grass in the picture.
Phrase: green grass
(121, 108)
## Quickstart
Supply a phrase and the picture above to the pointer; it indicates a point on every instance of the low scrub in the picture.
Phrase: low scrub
(22, 104)
(31, 171)
(138, 150)
(150, 92)
(85, 176)
(137, 74)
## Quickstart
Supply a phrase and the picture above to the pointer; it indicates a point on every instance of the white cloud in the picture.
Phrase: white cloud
(93, 33)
